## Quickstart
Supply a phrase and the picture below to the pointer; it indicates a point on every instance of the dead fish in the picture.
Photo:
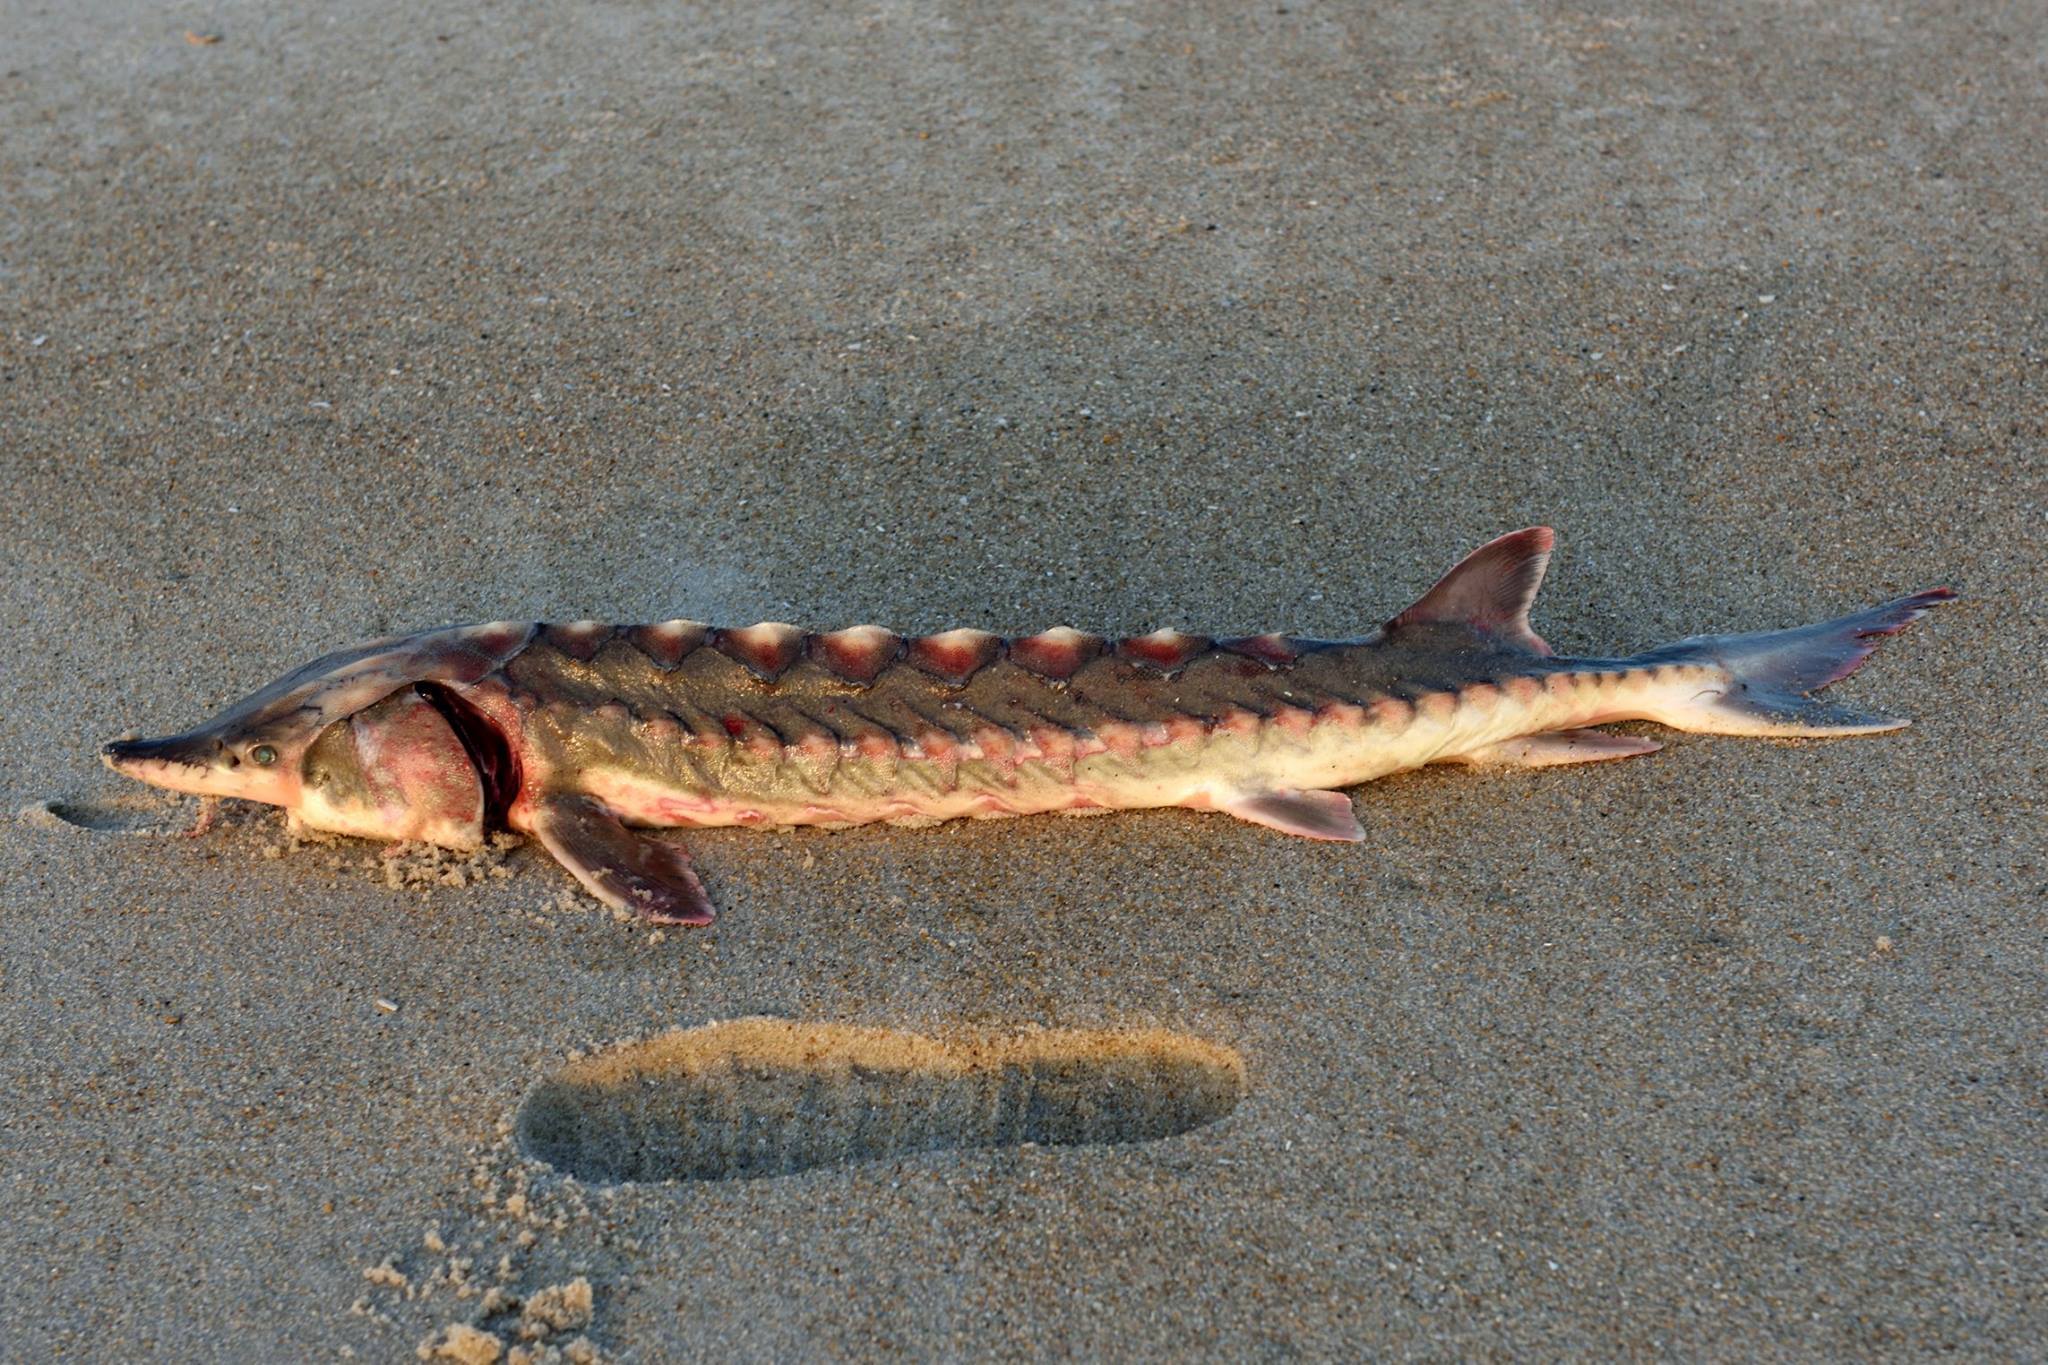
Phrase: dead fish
(574, 733)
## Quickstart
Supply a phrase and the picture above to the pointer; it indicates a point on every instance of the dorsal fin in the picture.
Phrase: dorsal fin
(1490, 590)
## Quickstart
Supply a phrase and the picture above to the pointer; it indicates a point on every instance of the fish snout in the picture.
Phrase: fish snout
(210, 762)
(198, 765)
(128, 755)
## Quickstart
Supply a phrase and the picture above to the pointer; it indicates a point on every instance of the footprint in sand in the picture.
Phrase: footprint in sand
(765, 1097)
(137, 813)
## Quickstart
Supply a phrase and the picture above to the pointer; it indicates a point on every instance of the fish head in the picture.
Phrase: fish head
(372, 741)
(210, 761)
(396, 769)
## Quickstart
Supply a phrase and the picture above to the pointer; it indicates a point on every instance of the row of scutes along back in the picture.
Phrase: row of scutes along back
(859, 654)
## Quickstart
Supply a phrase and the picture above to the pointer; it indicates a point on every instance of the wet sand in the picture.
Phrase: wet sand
(1237, 318)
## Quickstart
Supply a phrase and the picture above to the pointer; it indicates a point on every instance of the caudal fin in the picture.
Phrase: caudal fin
(1775, 673)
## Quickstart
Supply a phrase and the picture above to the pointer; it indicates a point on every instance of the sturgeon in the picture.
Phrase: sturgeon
(575, 734)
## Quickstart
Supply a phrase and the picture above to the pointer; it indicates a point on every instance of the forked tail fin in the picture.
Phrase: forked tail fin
(1776, 672)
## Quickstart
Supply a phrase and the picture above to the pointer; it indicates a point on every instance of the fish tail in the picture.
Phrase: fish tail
(1763, 683)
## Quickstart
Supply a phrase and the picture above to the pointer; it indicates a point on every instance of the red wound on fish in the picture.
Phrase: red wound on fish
(954, 656)
(858, 653)
(667, 643)
(578, 639)
(1274, 651)
(768, 649)
(1169, 651)
(1056, 654)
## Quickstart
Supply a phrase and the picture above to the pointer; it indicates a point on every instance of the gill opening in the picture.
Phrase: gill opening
(497, 767)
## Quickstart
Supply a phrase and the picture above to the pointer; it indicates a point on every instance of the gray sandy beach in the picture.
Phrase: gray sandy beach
(373, 317)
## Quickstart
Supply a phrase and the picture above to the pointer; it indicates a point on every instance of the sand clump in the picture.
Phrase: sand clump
(465, 1345)
(505, 1323)
(547, 1313)
(426, 866)
(469, 1345)
(401, 867)
(385, 1275)
(557, 1308)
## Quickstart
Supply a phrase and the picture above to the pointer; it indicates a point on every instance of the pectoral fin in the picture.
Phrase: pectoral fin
(625, 870)
(1310, 814)
(1559, 746)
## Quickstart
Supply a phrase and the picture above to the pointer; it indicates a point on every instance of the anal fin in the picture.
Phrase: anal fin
(1555, 747)
(1309, 814)
(625, 870)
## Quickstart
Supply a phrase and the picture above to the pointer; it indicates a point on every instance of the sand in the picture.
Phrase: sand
(1232, 317)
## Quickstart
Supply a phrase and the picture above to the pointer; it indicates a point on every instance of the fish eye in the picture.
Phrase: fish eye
(263, 755)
